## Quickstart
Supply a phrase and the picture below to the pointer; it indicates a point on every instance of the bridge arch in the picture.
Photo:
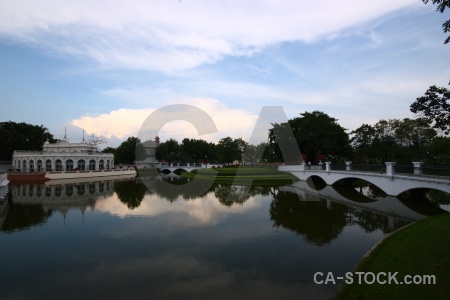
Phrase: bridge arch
(391, 184)
(179, 171)
(316, 182)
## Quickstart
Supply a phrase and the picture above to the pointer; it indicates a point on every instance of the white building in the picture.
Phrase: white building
(62, 156)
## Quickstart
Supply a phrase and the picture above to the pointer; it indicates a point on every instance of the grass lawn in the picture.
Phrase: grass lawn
(244, 176)
(422, 248)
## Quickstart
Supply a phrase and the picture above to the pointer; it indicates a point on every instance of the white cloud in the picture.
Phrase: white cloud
(126, 122)
(175, 35)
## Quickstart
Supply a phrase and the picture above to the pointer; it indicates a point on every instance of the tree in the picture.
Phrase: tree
(316, 133)
(437, 152)
(168, 151)
(434, 106)
(109, 150)
(442, 5)
(96, 140)
(126, 152)
(412, 132)
(362, 139)
(197, 150)
(22, 136)
(130, 193)
(229, 150)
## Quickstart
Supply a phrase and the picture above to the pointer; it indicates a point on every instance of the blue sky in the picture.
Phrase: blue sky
(104, 66)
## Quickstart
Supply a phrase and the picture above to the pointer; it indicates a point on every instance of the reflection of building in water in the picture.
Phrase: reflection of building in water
(3, 186)
(3, 211)
(62, 197)
(63, 156)
(3, 197)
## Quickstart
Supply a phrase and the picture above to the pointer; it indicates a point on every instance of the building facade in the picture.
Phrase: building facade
(149, 160)
(62, 156)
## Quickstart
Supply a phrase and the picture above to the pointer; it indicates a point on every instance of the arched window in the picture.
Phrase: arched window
(39, 191)
(32, 165)
(58, 190)
(92, 164)
(69, 189)
(81, 189)
(101, 164)
(24, 165)
(81, 165)
(92, 188)
(48, 165)
(69, 165)
(58, 165)
(39, 165)
(107, 164)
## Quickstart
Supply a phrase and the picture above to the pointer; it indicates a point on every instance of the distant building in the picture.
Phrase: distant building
(149, 160)
(62, 156)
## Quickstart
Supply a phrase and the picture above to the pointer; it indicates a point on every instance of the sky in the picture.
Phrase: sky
(105, 66)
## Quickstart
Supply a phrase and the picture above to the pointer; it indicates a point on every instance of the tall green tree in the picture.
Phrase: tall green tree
(197, 150)
(317, 134)
(362, 139)
(168, 151)
(126, 152)
(22, 136)
(229, 150)
(437, 152)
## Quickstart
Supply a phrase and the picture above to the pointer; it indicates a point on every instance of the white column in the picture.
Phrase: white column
(347, 165)
(328, 166)
(390, 168)
(303, 166)
(417, 167)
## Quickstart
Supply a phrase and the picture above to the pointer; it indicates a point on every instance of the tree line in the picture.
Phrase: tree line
(318, 135)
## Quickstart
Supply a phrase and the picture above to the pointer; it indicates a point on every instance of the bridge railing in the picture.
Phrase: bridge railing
(438, 172)
(430, 171)
(369, 168)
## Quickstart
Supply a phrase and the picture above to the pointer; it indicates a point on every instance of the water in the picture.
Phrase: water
(126, 239)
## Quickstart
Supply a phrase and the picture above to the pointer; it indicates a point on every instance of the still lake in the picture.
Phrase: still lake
(163, 238)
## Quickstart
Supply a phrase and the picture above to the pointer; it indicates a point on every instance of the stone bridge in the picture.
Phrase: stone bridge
(391, 183)
(171, 168)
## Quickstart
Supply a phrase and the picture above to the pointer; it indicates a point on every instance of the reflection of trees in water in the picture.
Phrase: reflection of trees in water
(367, 190)
(312, 219)
(438, 197)
(321, 222)
(234, 194)
(371, 221)
(425, 202)
(231, 194)
(373, 192)
(130, 192)
(172, 188)
(24, 216)
(352, 194)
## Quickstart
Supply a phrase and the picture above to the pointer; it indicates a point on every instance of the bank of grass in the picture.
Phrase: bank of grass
(243, 176)
(422, 248)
